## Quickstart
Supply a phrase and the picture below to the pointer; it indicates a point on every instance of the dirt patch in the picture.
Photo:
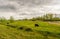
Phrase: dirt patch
(57, 23)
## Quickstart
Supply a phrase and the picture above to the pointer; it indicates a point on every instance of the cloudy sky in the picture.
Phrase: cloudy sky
(28, 8)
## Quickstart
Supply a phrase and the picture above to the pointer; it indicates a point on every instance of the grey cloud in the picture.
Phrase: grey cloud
(26, 7)
(32, 3)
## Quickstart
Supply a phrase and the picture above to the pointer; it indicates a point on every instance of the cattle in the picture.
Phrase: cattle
(36, 25)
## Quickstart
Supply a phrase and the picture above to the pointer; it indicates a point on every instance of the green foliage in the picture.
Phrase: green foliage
(3, 20)
(11, 19)
(25, 19)
(47, 17)
(33, 19)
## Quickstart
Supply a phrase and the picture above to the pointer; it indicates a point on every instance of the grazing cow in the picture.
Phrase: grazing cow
(36, 25)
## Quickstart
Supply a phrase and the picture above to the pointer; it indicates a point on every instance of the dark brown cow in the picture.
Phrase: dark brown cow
(36, 25)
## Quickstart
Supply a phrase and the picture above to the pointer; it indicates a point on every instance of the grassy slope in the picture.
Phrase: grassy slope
(44, 31)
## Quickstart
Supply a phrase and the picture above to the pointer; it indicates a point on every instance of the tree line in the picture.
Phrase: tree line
(46, 17)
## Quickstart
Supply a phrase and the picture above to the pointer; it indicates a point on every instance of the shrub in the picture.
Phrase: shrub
(8, 23)
(28, 29)
(58, 33)
(21, 28)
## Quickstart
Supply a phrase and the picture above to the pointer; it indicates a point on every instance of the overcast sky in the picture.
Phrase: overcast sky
(28, 8)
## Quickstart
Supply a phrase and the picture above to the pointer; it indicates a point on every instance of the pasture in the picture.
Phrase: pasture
(28, 30)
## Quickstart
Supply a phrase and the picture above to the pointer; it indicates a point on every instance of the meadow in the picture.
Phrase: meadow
(28, 30)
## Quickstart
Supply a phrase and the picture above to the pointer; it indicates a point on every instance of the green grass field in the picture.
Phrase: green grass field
(27, 30)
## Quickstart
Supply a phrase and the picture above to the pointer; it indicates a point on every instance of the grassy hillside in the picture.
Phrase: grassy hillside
(28, 30)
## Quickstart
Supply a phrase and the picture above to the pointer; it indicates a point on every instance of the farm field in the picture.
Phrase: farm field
(28, 30)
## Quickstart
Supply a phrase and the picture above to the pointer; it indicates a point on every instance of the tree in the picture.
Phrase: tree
(3, 20)
(48, 17)
(11, 19)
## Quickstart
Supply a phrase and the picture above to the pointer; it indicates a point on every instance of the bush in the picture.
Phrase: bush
(25, 28)
(21, 28)
(7, 22)
(28, 29)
